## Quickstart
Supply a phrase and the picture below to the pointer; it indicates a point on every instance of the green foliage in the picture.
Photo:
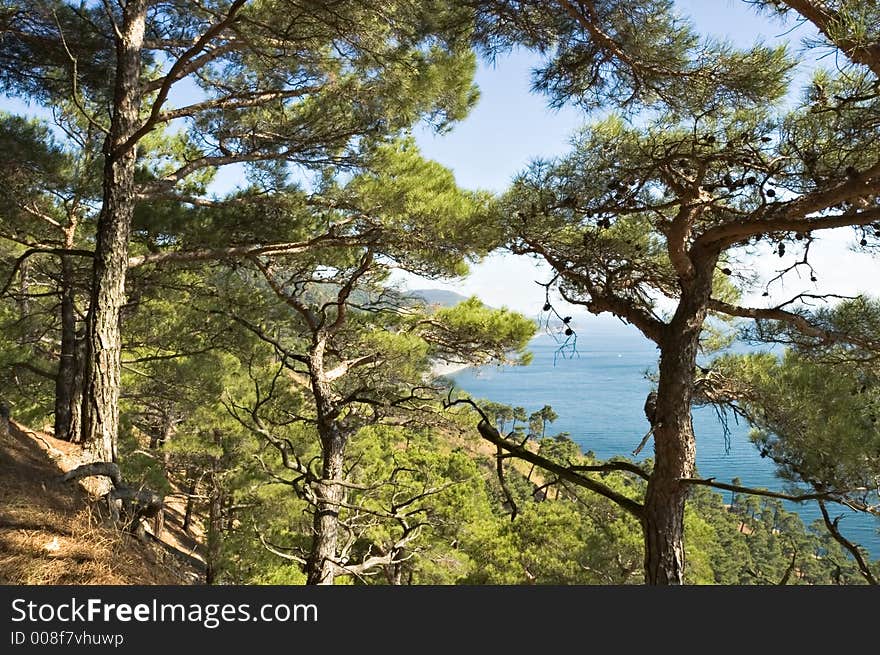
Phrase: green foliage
(815, 409)
(754, 540)
(479, 334)
(634, 55)
(238, 373)
(29, 395)
(429, 224)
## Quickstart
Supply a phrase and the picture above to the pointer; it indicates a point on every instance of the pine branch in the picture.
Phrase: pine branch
(798, 321)
(489, 433)
(833, 528)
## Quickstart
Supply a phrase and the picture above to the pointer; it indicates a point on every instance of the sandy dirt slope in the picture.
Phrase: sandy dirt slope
(54, 533)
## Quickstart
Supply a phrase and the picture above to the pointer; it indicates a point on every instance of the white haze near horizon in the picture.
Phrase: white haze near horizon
(511, 127)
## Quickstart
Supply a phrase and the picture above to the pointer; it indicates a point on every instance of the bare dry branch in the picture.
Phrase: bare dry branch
(563, 472)
(833, 528)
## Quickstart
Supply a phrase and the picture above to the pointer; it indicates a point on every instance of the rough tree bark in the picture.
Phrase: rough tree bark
(100, 411)
(674, 443)
(321, 566)
(394, 572)
(78, 381)
(212, 553)
(163, 435)
(134, 503)
(68, 380)
(215, 515)
(4, 419)
(190, 501)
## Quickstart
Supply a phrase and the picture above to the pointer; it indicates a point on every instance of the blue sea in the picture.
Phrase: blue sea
(599, 389)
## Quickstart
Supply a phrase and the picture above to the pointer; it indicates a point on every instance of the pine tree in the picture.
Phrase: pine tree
(278, 84)
(350, 354)
(664, 206)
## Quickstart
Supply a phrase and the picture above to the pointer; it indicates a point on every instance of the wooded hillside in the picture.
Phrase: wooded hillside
(240, 366)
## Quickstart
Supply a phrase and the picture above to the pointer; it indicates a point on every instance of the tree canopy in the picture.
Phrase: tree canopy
(248, 352)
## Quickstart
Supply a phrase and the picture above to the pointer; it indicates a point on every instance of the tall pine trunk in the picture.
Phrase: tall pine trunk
(190, 501)
(214, 536)
(321, 564)
(76, 402)
(321, 568)
(674, 443)
(68, 380)
(100, 409)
